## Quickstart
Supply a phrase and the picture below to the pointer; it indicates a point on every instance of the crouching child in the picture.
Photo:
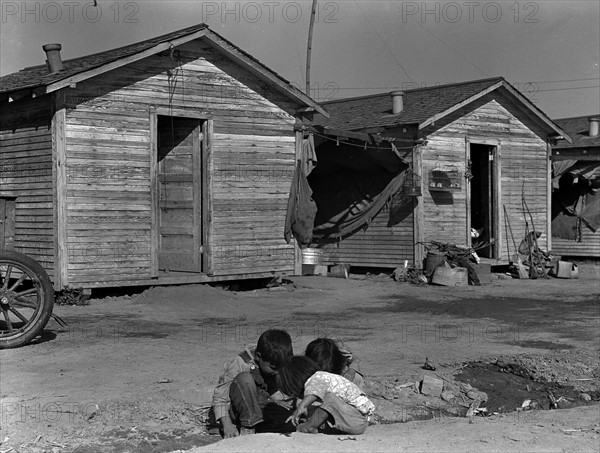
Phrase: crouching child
(329, 357)
(247, 399)
(330, 402)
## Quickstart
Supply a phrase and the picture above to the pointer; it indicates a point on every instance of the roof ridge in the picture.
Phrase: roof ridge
(454, 84)
(156, 40)
(591, 115)
(365, 96)
(434, 87)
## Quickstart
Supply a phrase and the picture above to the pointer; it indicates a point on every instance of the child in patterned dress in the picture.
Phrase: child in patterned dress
(328, 400)
(329, 357)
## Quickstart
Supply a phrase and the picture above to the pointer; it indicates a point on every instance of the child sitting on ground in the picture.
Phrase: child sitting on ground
(247, 399)
(326, 397)
(329, 357)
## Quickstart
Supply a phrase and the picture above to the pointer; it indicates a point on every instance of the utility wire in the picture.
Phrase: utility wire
(383, 41)
(450, 47)
(533, 83)
(568, 88)
(567, 80)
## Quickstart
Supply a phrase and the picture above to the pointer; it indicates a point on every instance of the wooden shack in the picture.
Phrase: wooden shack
(476, 150)
(166, 161)
(576, 189)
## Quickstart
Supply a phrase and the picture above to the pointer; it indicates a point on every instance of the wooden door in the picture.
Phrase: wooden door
(179, 180)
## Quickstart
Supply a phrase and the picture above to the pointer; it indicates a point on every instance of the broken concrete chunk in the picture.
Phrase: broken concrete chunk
(477, 395)
(586, 397)
(451, 387)
(447, 396)
(431, 386)
(430, 364)
(564, 403)
(465, 387)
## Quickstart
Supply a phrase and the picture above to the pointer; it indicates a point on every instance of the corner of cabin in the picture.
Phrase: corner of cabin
(27, 178)
(151, 197)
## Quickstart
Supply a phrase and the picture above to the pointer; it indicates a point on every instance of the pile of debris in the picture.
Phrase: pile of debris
(530, 261)
(459, 393)
(409, 275)
(429, 396)
(451, 265)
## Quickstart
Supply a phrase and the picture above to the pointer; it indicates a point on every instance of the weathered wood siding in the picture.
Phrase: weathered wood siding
(26, 174)
(589, 246)
(377, 246)
(523, 156)
(108, 165)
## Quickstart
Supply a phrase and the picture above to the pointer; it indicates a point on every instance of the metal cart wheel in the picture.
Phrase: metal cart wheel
(26, 299)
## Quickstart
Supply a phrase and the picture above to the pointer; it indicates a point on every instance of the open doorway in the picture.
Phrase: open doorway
(179, 194)
(482, 201)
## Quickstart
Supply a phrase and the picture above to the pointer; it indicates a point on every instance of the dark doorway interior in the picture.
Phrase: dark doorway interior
(482, 199)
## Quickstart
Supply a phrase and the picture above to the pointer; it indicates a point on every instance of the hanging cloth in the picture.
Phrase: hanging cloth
(301, 208)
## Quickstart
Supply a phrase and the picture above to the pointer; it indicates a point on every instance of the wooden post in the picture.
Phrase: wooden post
(154, 233)
(3, 217)
(548, 197)
(497, 201)
(197, 139)
(59, 163)
(207, 199)
(297, 251)
(309, 47)
(419, 248)
(468, 189)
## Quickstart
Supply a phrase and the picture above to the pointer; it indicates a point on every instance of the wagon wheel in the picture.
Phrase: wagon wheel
(26, 299)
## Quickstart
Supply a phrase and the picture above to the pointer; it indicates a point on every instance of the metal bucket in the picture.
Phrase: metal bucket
(431, 261)
(312, 256)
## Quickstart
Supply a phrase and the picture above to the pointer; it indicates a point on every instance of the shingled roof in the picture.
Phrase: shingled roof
(422, 106)
(578, 129)
(38, 81)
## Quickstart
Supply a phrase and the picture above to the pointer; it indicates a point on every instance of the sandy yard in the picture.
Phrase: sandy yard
(135, 373)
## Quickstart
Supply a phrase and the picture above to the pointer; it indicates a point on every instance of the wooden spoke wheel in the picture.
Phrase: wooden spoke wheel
(26, 299)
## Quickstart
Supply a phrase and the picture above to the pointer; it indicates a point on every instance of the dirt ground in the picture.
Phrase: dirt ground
(135, 372)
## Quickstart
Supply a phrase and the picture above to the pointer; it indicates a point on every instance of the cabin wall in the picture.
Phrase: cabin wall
(523, 169)
(26, 173)
(588, 246)
(109, 207)
(376, 246)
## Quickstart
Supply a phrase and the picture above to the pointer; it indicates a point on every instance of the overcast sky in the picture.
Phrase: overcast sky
(547, 49)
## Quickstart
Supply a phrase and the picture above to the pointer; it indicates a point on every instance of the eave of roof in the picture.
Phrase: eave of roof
(577, 128)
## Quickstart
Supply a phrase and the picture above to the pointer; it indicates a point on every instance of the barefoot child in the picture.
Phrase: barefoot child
(326, 397)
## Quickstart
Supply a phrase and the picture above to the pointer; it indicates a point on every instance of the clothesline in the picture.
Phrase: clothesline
(365, 146)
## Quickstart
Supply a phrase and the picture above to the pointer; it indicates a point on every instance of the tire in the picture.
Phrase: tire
(26, 299)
